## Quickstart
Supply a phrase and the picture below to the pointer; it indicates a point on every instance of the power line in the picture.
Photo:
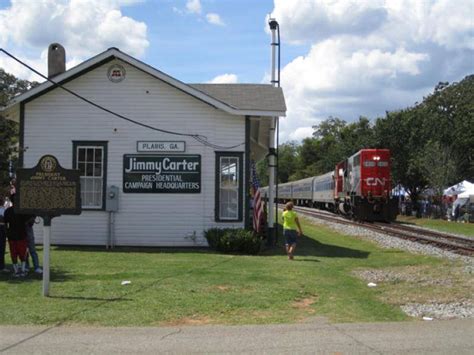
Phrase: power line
(199, 138)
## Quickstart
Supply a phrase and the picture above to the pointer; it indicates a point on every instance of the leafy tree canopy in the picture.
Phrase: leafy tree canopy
(432, 143)
(10, 86)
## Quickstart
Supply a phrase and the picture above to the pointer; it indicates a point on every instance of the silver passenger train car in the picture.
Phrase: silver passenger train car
(359, 187)
(313, 192)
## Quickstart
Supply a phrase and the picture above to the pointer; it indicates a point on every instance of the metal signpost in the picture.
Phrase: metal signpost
(48, 191)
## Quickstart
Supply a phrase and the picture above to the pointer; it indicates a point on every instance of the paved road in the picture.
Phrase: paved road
(435, 337)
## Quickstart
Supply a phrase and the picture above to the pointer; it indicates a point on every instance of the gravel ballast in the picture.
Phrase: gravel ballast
(455, 310)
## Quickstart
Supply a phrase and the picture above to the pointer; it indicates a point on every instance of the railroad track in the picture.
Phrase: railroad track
(456, 244)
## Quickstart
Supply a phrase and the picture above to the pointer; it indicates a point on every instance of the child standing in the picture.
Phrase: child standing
(290, 226)
(16, 233)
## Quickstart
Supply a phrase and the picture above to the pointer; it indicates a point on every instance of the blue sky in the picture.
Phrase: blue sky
(191, 49)
(342, 58)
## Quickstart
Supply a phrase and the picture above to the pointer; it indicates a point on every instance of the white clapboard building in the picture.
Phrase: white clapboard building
(176, 163)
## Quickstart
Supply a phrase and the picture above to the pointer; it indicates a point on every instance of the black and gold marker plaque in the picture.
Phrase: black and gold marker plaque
(48, 189)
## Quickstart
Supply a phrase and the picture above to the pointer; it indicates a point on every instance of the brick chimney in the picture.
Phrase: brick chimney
(56, 60)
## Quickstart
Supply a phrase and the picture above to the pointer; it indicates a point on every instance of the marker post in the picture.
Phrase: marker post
(46, 250)
(48, 190)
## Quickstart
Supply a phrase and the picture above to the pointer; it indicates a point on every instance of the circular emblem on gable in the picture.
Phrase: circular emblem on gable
(48, 163)
(116, 73)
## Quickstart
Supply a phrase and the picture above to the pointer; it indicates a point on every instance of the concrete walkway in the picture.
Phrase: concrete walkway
(432, 337)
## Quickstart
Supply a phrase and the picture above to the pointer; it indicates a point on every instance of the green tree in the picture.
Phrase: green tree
(287, 161)
(401, 133)
(10, 86)
(450, 121)
(432, 143)
(357, 135)
(438, 165)
(333, 141)
(308, 156)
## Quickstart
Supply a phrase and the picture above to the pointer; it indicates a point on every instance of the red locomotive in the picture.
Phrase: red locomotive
(359, 187)
(362, 186)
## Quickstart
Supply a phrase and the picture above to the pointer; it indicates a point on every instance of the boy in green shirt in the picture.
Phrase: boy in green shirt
(290, 224)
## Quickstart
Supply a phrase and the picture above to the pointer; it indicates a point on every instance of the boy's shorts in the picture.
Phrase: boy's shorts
(290, 236)
(18, 249)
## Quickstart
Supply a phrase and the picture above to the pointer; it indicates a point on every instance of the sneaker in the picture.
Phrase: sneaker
(39, 270)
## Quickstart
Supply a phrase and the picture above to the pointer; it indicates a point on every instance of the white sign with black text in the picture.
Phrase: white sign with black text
(161, 146)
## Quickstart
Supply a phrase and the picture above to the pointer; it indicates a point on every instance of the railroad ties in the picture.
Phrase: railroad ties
(455, 244)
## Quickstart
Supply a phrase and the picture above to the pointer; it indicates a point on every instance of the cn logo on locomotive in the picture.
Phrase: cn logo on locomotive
(375, 181)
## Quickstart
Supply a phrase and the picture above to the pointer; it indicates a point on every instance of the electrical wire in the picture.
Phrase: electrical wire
(199, 138)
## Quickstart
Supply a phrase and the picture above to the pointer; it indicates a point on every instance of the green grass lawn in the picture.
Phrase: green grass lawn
(186, 287)
(466, 229)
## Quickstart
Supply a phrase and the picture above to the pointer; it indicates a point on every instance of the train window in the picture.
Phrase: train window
(382, 163)
(369, 164)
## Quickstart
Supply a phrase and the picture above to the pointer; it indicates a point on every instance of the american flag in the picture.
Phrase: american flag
(257, 201)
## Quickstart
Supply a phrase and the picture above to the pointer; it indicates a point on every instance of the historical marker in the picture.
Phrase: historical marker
(48, 189)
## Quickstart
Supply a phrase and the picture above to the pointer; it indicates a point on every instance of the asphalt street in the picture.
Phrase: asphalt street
(418, 337)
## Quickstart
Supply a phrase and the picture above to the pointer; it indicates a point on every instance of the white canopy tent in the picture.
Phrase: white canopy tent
(463, 190)
(459, 188)
(468, 192)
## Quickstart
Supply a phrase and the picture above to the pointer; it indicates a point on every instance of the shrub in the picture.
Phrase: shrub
(233, 240)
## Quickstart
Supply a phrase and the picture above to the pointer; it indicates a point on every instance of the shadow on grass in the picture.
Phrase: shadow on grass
(307, 246)
(80, 298)
(56, 275)
(131, 249)
(103, 302)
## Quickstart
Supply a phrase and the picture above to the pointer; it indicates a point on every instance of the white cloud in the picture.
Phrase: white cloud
(300, 133)
(83, 27)
(369, 57)
(224, 79)
(307, 20)
(214, 19)
(177, 10)
(194, 6)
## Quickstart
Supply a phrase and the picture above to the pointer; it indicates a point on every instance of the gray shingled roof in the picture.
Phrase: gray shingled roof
(259, 97)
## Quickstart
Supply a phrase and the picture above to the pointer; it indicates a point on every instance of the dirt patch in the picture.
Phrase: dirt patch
(223, 288)
(305, 304)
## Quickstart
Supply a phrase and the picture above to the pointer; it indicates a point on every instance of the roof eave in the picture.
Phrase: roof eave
(11, 112)
(260, 113)
(113, 52)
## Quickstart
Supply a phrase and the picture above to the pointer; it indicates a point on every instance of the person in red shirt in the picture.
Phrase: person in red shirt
(17, 238)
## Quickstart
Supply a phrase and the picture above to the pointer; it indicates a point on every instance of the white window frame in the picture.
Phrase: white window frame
(233, 188)
(225, 191)
(92, 198)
